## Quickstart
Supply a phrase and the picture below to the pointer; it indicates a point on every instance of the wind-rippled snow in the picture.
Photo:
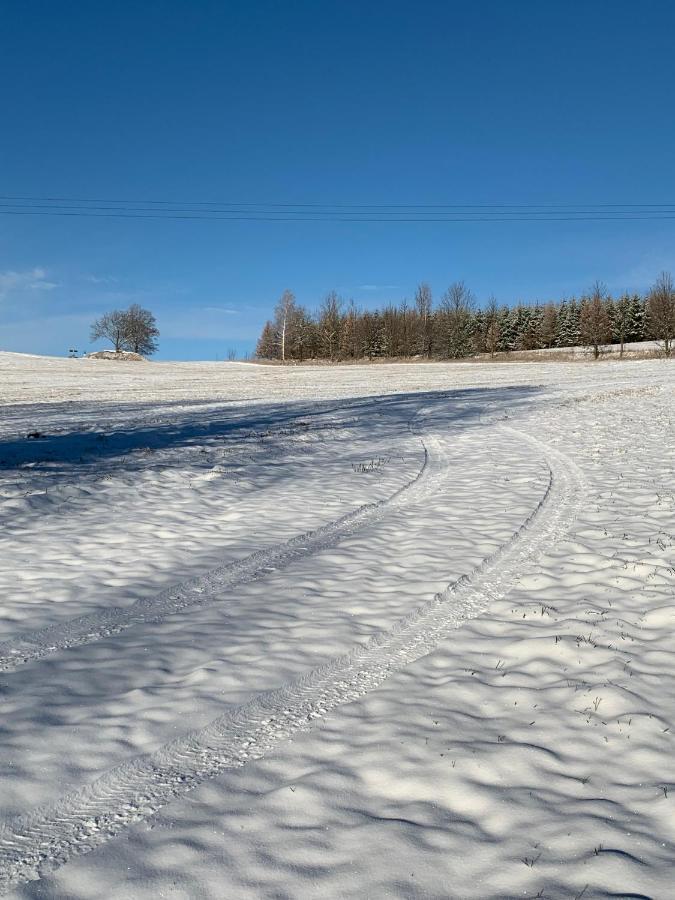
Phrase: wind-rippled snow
(529, 754)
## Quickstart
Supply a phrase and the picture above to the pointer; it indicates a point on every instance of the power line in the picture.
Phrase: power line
(316, 212)
(345, 206)
(578, 217)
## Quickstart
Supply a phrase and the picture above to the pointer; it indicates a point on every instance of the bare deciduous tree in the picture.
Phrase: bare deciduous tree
(594, 324)
(661, 312)
(423, 307)
(330, 321)
(549, 325)
(141, 332)
(132, 329)
(283, 315)
(492, 330)
(111, 327)
(622, 320)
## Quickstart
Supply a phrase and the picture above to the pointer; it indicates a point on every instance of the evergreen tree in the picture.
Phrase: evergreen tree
(373, 335)
(267, 347)
(456, 320)
(638, 319)
(561, 324)
(479, 330)
(531, 337)
(568, 324)
(507, 333)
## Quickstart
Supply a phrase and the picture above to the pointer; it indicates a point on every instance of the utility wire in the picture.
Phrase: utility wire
(324, 212)
(546, 217)
(347, 206)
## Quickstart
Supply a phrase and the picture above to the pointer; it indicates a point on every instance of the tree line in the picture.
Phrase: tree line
(456, 327)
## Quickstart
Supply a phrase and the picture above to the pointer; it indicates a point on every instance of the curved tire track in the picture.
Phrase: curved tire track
(39, 841)
(32, 646)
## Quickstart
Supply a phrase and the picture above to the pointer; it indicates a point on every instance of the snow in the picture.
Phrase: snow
(366, 631)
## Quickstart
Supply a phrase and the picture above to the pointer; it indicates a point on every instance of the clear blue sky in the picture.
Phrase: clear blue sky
(323, 102)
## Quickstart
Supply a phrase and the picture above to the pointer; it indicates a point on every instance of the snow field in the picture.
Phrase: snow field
(525, 752)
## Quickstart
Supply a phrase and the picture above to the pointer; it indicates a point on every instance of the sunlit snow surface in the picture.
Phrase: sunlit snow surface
(368, 631)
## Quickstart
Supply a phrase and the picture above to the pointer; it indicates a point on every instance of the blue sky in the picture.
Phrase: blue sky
(322, 102)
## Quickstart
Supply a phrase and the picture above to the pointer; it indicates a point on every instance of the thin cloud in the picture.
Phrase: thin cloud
(100, 279)
(378, 287)
(12, 282)
(228, 310)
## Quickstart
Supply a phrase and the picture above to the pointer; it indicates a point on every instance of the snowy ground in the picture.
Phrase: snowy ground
(373, 631)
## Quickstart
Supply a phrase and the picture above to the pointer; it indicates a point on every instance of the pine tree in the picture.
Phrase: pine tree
(479, 330)
(267, 347)
(456, 320)
(373, 335)
(531, 338)
(561, 324)
(638, 319)
(568, 324)
(507, 333)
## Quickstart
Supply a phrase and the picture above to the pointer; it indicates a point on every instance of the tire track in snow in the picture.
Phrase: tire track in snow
(32, 646)
(39, 841)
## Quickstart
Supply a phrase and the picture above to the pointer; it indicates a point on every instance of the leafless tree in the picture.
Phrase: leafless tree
(621, 320)
(492, 330)
(140, 330)
(424, 309)
(349, 334)
(549, 322)
(283, 315)
(594, 324)
(132, 329)
(330, 322)
(661, 312)
(111, 327)
(301, 339)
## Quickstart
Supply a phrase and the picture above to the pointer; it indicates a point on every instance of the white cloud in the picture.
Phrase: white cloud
(100, 279)
(221, 309)
(31, 280)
